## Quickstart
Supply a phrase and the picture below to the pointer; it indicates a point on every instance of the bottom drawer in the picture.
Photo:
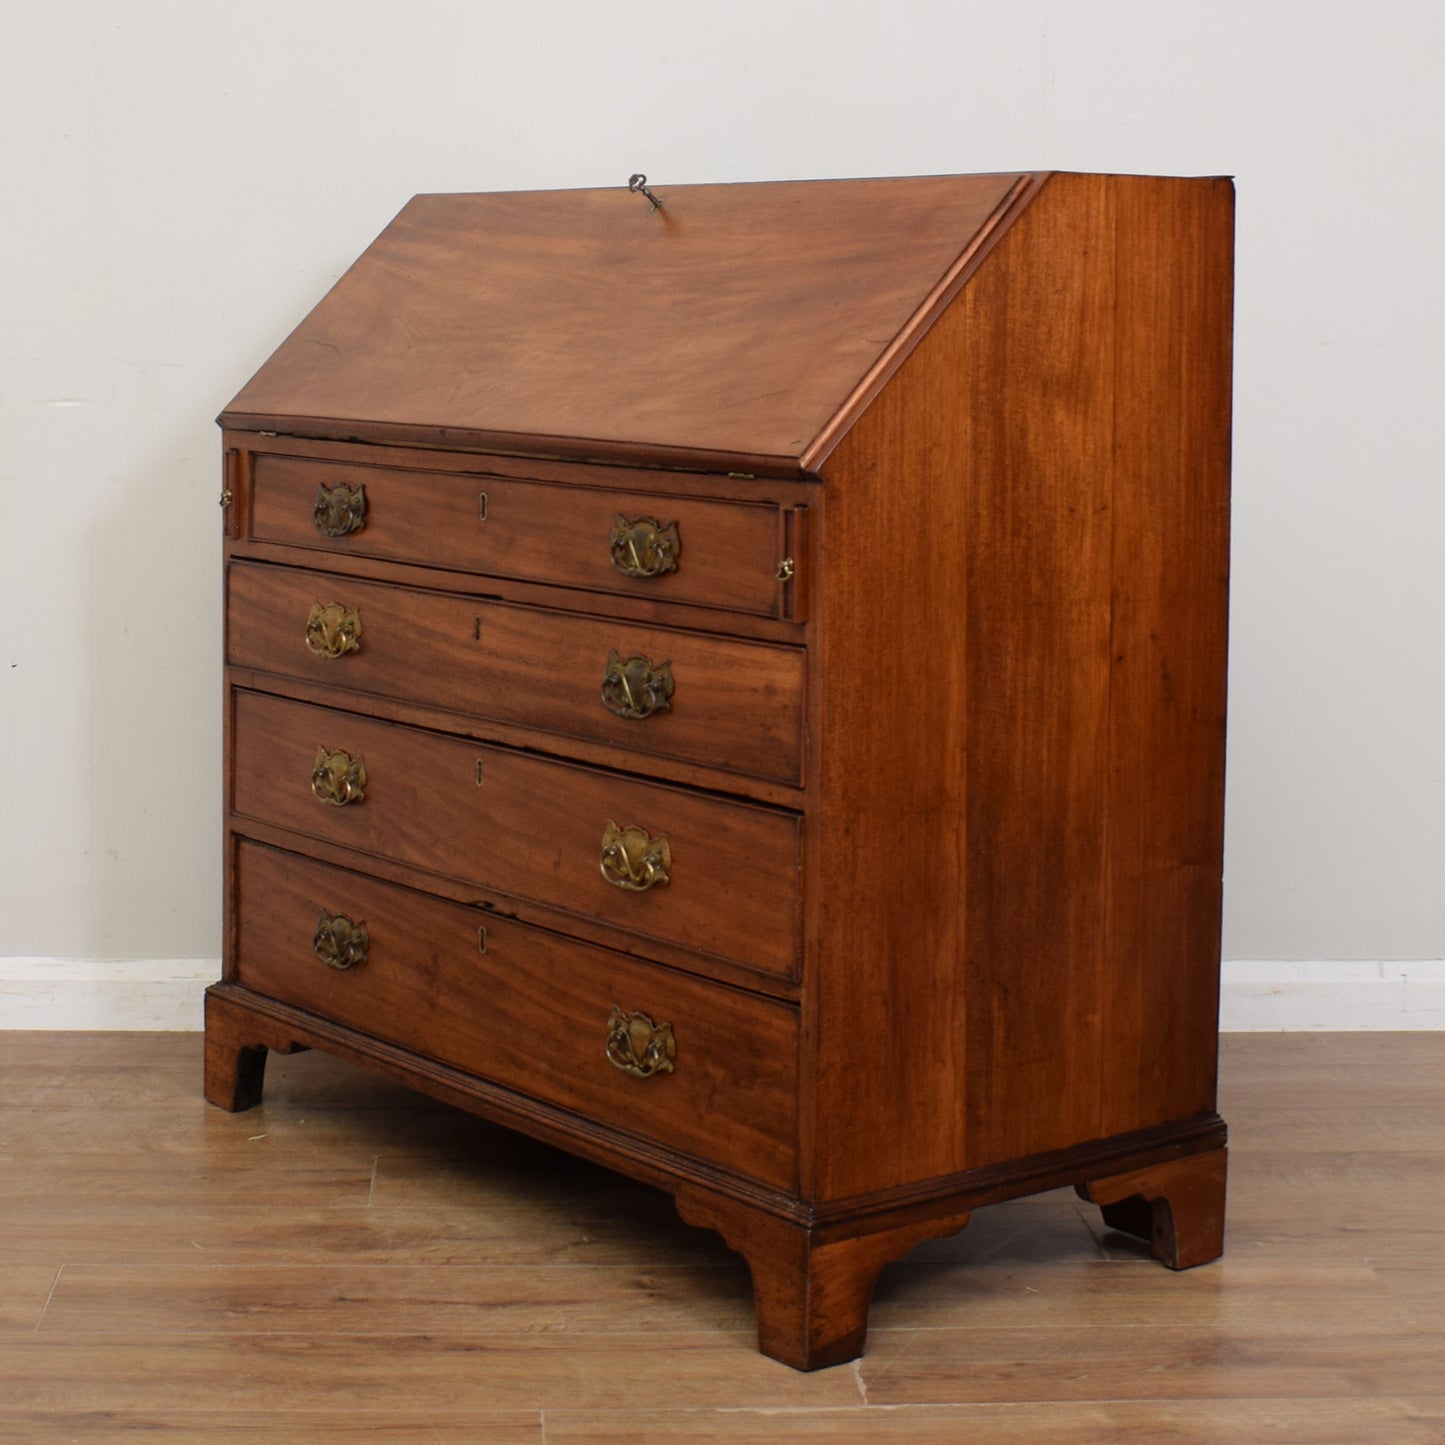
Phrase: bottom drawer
(574, 1025)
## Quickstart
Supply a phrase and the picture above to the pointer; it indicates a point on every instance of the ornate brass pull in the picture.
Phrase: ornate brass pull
(632, 859)
(340, 943)
(638, 1046)
(635, 688)
(644, 548)
(332, 630)
(338, 778)
(340, 510)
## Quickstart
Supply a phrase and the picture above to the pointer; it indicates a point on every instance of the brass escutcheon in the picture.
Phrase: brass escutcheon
(340, 943)
(644, 548)
(340, 510)
(338, 778)
(333, 630)
(632, 859)
(638, 1046)
(635, 688)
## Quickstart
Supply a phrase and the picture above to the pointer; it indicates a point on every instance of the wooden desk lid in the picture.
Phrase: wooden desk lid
(740, 327)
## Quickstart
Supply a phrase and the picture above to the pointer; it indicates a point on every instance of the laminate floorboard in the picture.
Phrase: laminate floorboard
(351, 1262)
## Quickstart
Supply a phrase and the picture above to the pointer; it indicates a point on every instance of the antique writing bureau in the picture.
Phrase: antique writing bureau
(735, 688)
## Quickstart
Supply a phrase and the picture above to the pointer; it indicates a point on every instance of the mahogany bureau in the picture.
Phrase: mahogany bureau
(735, 687)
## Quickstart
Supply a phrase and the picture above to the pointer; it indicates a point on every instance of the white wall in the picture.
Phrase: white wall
(180, 181)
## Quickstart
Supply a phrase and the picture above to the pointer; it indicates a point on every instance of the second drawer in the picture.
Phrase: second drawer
(723, 703)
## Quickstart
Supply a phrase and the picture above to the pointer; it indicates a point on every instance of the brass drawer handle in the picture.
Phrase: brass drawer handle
(333, 630)
(340, 943)
(635, 688)
(338, 778)
(340, 510)
(638, 1046)
(632, 859)
(644, 548)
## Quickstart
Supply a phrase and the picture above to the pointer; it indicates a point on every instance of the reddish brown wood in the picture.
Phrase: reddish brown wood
(578, 323)
(555, 918)
(528, 1010)
(531, 827)
(1038, 521)
(942, 778)
(639, 478)
(530, 530)
(965, 864)
(473, 655)
(1177, 1206)
(236, 1047)
(811, 1287)
(1033, 865)
(1170, 538)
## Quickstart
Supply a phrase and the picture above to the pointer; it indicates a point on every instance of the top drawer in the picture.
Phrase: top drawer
(717, 554)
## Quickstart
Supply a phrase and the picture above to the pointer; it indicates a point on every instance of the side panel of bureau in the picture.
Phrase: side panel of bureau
(1021, 721)
(1169, 647)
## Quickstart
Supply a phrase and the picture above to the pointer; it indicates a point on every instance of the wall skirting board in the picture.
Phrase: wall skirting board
(1259, 996)
(1255, 996)
(89, 993)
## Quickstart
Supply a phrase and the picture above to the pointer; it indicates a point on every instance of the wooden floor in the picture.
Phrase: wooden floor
(350, 1262)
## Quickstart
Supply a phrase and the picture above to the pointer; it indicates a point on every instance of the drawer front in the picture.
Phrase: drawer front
(715, 1070)
(720, 554)
(722, 703)
(723, 879)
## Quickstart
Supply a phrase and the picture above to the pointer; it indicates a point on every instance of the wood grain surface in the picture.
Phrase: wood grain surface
(1020, 714)
(738, 321)
(528, 1010)
(352, 1262)
(531, 530)
(979, 429)
(736, 706)
(529, 827)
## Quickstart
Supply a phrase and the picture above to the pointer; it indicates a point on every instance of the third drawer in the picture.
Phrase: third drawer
(704, 872)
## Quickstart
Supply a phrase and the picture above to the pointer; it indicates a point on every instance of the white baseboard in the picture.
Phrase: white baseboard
(1260, 996)
(89, 993)
(1255, 996)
